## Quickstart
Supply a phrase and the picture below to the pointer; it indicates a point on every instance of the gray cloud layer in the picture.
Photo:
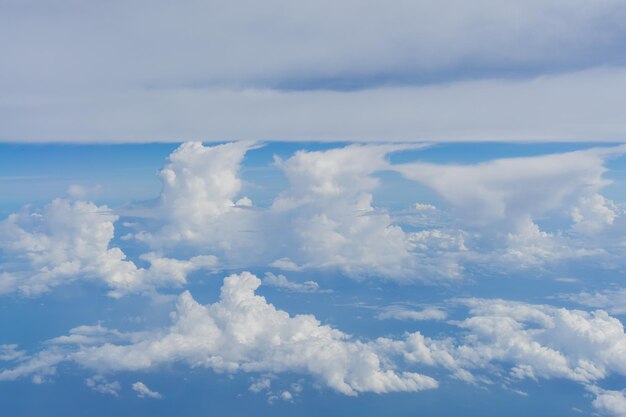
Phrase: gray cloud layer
(350, 70)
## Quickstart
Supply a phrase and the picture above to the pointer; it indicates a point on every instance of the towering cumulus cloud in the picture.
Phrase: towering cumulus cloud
(330, 213)
(200, 208)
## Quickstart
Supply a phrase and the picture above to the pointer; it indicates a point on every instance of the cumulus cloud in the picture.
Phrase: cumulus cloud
(261, 384)
(144, 392)
(331, 216)
(539, 341)
(240, 333)
(99, 384)
(70, 240)
(281, 281)
(324, 219)
(200, 209)
(200, 184)
(609, 402)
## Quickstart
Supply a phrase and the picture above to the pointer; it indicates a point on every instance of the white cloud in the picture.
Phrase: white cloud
(38, 367)
(70, 240)
(613, 300)
(593, 214)
(324, 219)
(285, 264)
(509, 192)
(200, 206)
(502, 199)
(261, 384)
(99, 384)
(402, 313)
(499, 339)
(333, 223)
(9, 352)
(144, 392)
(241, 332)
(281, 281)
(609, 402)
(424, 207)
(540, 341)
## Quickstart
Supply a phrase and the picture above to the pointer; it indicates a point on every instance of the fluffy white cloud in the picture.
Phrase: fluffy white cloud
(241, 332)
(144, 392)
(70, 240)
(609, 402)
(330, 213)
(200, 184)
(324, 219)
(593, 214)
(200, 208)
(540, 341)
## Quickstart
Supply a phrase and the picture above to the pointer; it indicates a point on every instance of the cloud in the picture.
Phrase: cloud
(538, 109)
(281, 281)
(613, 300)
(281, 42)
(200, 208)
(506, 192)
(444, 70)
(401, 313)
(501, 200)
(10, 353)
(540, 341)
(240, 333)
(332, 221)
(324, 219)
(99, 384)
(144, 392)
(70, 240)
(609, 402)
(261, 384)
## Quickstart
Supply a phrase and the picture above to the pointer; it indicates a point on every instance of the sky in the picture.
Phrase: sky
(289, 208)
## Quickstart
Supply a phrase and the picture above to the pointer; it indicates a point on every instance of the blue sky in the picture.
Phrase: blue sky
(302, 208)
(360, 251)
